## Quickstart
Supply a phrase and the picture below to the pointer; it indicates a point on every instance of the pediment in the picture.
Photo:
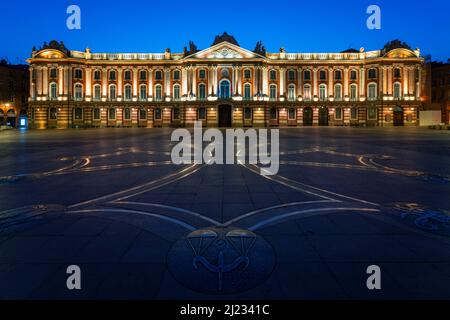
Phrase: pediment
(225, 50)
(400, 53)
(50, 54)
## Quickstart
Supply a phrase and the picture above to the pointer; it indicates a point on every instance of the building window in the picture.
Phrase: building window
(273, 92)
(158, 114)
(397, 73)
(353, 92)
(97, 75)
(372, 88)
(273, 75)
(176, 75)
(372, 73)
(112, 92)
(53, 73)
(291, 75)
(323, 75)
(53, 90)
(247, 91)
(292, 114)
(143, 75)
(273, 114)
(323, 92)
(176, 113)
(224, 89)
(158, 75)
(354, 114)
(176, 92)
(127, 75)
(202, 91)
(127, 92)
(372, 113)
(78, 114)
(96, 114)
(127, 114)
(247, 74)
(338, 92)
(158, 92)
(78, 92)
(78, 74)
(112, 75)
(97, 92)
(353, 75)
(248, 113)
(307, 75)
(142, 114)
(202, 74)
(52, 114)
(201, 113)
(307, 92)
(338, 114)
(291, 92)
(338, 75)
(397, 90)
(112, 114)
(143, 92)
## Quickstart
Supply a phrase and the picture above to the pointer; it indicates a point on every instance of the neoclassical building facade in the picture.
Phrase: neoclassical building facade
(225, 85)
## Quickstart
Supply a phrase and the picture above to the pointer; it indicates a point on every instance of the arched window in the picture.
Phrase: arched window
(78, 94)
(291, 92)
(52, 113)
(338, 92)
(273, 92)
(158, 92)
(397, 91)
(372, 91)
(112, 114)
(353, 92)
(176, 92)
(307, 92)
(273, 75)
(247, 91)
(142, 92)
(338, 75)
(158, 75)
(112, 92)
(143, 75)
(112, 75)
(127, 92)
(97, 92)
(291, 75)
(202, 91)
(323, 92)
(307, 75)
(224, 89)
(127, 75)
(53, 90)
(97, 75)
(372, 73)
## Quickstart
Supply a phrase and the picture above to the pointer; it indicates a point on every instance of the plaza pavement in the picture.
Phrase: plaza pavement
(111, 202)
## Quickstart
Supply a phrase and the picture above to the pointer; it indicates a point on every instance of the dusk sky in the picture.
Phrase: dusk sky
(152, 26)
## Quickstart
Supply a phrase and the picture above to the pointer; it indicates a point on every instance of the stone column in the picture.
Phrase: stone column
(299, 82)
(45, 81)
(315, 87)
(60, 81)
(346, 83)
(88, 85)
(135, 82)
(150, 83)
(362, 82)
(283, 82)
(119, 82)
(330, 82)
(194, 81)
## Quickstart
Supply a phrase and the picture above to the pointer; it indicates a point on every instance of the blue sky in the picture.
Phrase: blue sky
(152, 26)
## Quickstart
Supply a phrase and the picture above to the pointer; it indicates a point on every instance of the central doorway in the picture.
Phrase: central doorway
(307, 116)
(225, 116)
(398, 116)
(323, 116)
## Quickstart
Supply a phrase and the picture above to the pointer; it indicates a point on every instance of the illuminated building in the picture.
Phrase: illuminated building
(225, 85)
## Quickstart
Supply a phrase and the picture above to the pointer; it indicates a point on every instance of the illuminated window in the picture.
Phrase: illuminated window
(291, 92)
(273, 92)
(158, 92)
(323, 92)
(97, 92)
(338, 92)
(112, 92)
(372, 89)
(202, 91)
(53, 90)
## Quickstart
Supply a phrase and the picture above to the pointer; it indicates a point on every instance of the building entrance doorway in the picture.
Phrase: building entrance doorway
(224, 116)
(323, 116)
(307, 116)
(398, 116)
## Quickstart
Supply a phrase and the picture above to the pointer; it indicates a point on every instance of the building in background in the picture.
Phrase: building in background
(14, 91)
(440, 88)
(225, 85)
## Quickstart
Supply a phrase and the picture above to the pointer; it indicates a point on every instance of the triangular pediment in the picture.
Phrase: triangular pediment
(224, 50)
